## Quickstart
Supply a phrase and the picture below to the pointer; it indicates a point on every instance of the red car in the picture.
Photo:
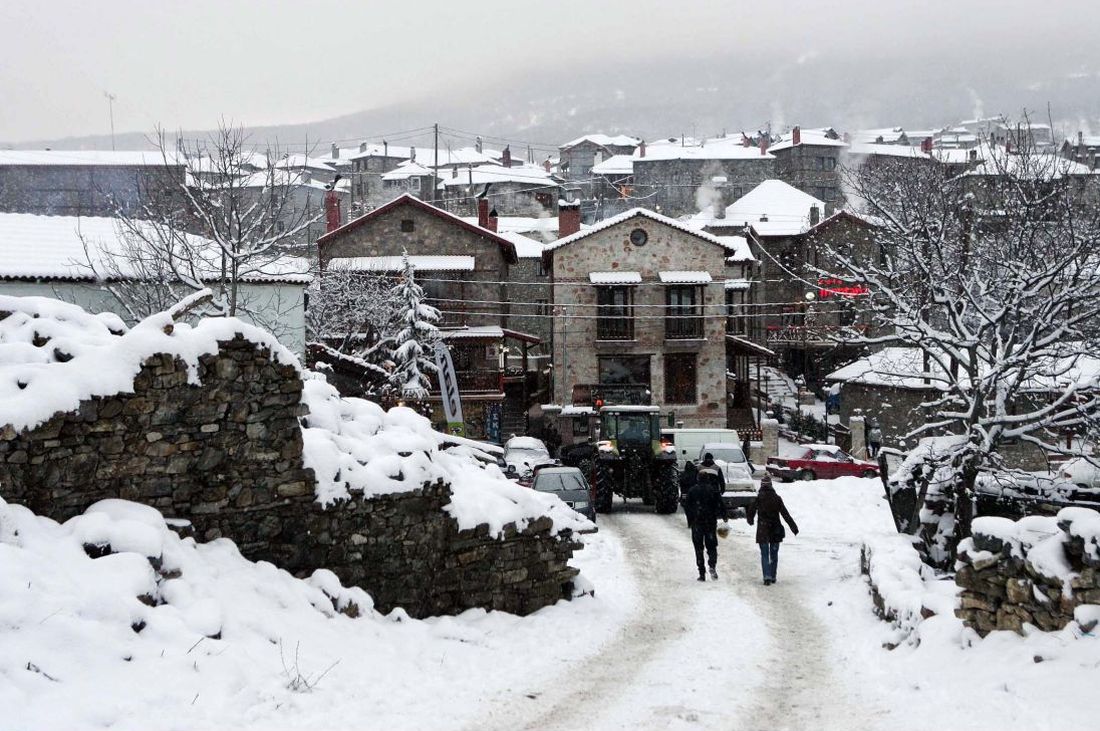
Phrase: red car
(819, 462)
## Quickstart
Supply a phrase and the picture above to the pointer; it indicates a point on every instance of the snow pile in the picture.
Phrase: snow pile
(54, 355)
(161, 632)
(904, 589)
(356, 448)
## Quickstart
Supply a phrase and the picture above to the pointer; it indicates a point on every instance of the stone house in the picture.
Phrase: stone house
(578, 157)
(808, 160)
(681, 179)
(52, 256)
(305, 201)
(86, 182)
(518, 190)
(1085, 150)
(368, 165)
(468, 272)
(640, 299)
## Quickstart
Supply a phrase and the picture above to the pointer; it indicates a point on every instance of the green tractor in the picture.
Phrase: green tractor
(631, 461)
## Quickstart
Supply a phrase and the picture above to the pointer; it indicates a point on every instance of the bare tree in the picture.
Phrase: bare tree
(989, 277)
(234, 217)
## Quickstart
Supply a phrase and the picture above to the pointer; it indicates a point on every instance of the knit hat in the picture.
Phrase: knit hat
(766, 480)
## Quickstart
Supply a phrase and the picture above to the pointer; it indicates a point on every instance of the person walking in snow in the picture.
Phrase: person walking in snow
(766, 511)
(703, 506)
(874, 439)
(688, 478)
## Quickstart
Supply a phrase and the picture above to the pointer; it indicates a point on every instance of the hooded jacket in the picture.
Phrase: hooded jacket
(766, 511)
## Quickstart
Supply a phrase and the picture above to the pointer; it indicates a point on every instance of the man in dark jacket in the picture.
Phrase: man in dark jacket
(688, 478)
(703, 507)
(766, 510)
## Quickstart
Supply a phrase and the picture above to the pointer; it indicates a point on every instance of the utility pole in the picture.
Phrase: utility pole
(111, 112)
(435, 165)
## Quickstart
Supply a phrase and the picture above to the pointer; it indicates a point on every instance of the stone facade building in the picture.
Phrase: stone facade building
(640, 299)
(465, 270)
(808, 160)
(577, 158)
(86, 182)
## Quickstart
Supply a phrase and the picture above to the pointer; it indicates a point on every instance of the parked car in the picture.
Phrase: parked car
(819, 461)
(523, 454)
(569, 484)
(688, 441)
(736, 471)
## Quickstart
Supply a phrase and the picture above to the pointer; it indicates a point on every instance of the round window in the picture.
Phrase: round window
(638, 237)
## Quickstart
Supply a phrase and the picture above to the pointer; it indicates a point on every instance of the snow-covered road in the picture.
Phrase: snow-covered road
(725, 654)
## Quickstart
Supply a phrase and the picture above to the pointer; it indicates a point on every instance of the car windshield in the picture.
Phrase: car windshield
(727, 454)
(559, 482)
(633, 427)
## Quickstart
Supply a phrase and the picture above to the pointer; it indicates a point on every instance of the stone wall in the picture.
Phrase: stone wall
(226, 455)
(1028, 577)
(670, 185)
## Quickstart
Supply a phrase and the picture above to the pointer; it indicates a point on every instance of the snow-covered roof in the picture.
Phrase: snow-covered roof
(294, 177)
(997, 161)
(685, 277)
(479, 331)
(531, 175)
(395, 263)
(814, 137)
(526, 246)
(543, 229)
(742, 252)
(603, 141)
(772, 208)
(406, 170)
(615, 277)
(881, 136)
(719, 148)
(615, 165)
(903, 367)
(377, 149)
(645, 213)
(737, 284)
(890, 150)
(53, 247)
(151, 158)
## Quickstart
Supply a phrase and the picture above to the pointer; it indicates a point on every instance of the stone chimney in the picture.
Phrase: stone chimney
(332, 208)
(506, 157)
(335, 151)
(362, 147)
(641, 149)
(745, 141)
(815, 216)
(492, 220)
(547, 166)
(1080, 138)
(412, 154)
(569, 218)
(763, 144)
(796, 136)
(477, 144)
(926, 145)
(483, 212)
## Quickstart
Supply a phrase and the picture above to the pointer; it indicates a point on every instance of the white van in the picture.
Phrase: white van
(688, 442)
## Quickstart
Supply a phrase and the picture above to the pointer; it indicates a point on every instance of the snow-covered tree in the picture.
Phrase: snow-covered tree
(991, 277)
(231, 217)
(414, 342)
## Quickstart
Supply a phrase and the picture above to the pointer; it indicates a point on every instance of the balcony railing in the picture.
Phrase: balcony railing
(615, 328)
(480, 381)
(815, 335)
(683, 327)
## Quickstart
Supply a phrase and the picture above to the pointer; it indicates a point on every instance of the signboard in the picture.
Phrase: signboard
(831, 287)
(618, 394)
(448, 391)
(492, 422)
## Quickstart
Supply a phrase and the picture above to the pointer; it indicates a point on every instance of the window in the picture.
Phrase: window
(738, 321)
(680, 378)
(683, 318)
(614, 314)
(638, 237)
(407, 225)
(830, 163)
(414, 183)
(580, 426)
(540, 268)
(542, 307)
(623, 369)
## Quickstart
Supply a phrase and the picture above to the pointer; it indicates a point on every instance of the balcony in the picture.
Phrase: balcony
(479, 381)
(683, 328)
(615, 328)
(812, 335)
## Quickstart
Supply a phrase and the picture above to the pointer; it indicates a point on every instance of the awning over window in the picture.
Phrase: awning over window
(615, 278)
(738, 284)
(685, 277)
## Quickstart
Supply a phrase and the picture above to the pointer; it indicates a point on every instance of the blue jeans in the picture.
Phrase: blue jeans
(769, 559)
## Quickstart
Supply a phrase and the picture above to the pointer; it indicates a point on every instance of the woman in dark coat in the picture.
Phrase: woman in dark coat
(688, 478)
(766, 511)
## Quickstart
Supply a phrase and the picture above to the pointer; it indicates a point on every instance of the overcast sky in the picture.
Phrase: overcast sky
(185, 64)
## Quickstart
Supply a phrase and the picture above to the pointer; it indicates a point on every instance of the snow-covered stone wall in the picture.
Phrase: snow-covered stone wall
(1038, 571)
(205, 424)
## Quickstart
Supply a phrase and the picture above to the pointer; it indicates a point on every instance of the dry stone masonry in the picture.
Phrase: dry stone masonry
(1037, 571)
(220, 445)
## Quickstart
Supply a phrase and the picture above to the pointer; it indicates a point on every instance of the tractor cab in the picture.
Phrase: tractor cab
(631, 427)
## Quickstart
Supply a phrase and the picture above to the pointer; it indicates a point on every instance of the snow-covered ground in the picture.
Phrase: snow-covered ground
(653, 649)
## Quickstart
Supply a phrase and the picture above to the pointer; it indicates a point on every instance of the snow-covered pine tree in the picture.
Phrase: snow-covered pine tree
(415, 340)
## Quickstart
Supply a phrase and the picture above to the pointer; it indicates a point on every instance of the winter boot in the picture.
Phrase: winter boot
(713, 573)
(702, 574)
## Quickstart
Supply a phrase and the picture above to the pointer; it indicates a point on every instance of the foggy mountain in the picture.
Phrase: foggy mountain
(704, 96)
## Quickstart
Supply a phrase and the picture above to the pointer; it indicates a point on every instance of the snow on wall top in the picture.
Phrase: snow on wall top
(602, 140)
(615, 165)
(98, 355)
(396, 263)
(53, 247)
(356, 448)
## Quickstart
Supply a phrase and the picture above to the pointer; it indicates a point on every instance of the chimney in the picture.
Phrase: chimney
(332, 208)
(506, 157)
(546, 165)
(483, 212)
(796, 136)
(848, 138)
(1080, 138)
(492, 220)
(412, 154)
(477, 144)
(569, 218)
(362, 147)
(815, 216)
(335, 152)
(926, 145)
(973, 156)
(641, 149)
(745, 141)
(763, 144)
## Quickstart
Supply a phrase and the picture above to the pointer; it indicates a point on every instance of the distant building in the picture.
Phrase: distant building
(808, 160)
(1085, 149)
(87, 182)
(578, 157)
(521, 190)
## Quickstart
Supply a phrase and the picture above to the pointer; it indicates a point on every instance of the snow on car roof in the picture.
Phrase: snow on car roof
(643, 409)
(824, 447)
(525, 443)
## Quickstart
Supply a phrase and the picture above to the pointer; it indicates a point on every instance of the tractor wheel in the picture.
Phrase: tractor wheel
(808, 475)
(605, 488)
(667, 488)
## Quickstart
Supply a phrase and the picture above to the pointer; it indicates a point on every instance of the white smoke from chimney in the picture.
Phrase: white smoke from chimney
(709, 196)
(977, 107)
